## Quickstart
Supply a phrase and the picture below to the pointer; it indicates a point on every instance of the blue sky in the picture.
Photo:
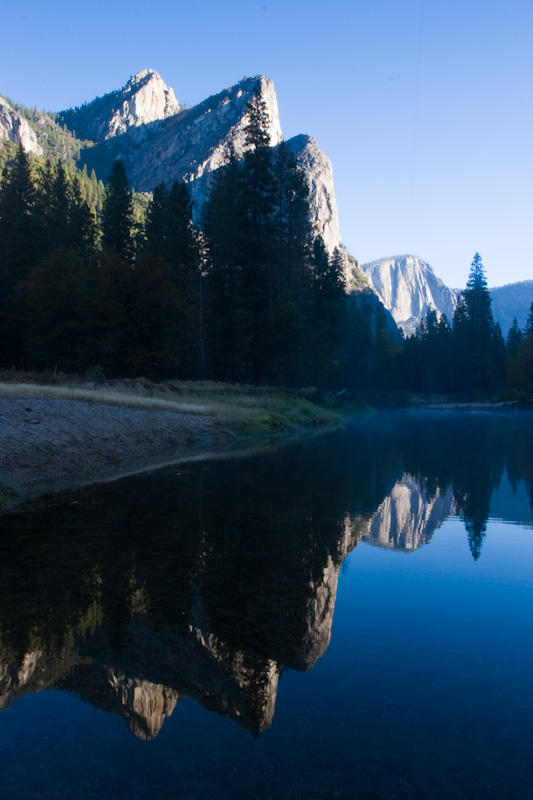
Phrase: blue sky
(423, 106)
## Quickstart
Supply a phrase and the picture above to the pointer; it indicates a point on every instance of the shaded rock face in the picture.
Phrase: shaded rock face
(408, 517)
(15, 128)
(408, 288)
(321, 604)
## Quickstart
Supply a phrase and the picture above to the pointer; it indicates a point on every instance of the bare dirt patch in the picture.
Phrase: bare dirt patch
(48, 444)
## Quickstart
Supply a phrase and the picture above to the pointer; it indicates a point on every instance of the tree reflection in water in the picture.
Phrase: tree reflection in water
(209, 579)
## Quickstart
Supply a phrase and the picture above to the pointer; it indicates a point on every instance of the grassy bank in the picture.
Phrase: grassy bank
(245, 410)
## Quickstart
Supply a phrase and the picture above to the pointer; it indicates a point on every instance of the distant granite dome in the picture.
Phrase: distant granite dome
(408, 288)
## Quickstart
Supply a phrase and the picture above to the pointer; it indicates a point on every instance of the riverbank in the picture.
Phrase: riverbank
(60, 437)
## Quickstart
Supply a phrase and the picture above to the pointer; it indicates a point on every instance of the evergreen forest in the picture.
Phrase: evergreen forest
(103, 281)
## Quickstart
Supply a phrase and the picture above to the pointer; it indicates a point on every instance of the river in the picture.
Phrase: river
(346, 616)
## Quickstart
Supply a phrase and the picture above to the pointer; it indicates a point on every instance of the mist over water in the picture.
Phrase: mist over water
(349, 615)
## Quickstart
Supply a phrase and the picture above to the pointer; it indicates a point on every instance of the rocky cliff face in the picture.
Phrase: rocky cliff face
(408, 288)
(192, 145)
(144, 126)
(318, 172)
(144, 705)
(14, 127)
(143, 101)
(321, 604)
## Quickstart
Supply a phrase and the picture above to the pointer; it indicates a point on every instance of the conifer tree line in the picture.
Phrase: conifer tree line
(254, 297)
(89, 284)
(470, 355)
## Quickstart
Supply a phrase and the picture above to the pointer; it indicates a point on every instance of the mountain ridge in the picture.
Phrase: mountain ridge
(160, 141)
(390, 279)
(144, 99)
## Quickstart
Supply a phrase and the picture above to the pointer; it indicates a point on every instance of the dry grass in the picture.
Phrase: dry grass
(110, 397)
(248, 410)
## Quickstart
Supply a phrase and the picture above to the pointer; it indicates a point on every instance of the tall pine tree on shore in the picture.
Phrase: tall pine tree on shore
(478, 341)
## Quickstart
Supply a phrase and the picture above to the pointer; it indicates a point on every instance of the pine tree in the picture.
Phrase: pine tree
(57, 304)
(21, 235)
(257, 128)
(156, 229)
(289, 271)
(19, 226)
(478, 300)
(170, 234)
(474, 331)
(17, 190)
(327, 294)
(257, 206)
(514, 337)
(117, 215)
(520, 358)
(228, 322)
(528, 330)
(82, 232)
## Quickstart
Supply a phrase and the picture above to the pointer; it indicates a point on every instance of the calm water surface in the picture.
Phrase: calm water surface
(347, 617)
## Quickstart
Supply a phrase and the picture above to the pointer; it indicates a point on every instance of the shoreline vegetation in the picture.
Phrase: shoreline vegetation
(60, 433)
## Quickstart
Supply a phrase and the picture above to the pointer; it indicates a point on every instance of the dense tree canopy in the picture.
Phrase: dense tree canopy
(255, 297)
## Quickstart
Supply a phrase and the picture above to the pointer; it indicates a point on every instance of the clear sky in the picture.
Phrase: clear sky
(423, 106)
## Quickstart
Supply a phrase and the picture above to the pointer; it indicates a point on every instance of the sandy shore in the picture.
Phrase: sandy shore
(50, 444)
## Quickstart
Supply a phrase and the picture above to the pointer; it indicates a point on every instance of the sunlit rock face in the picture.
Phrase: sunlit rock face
(318, 172)
(408, 288)
(15, 128)
(408, 518)
(144, 99)
(145, 705)
(143, 125)
(196, 142)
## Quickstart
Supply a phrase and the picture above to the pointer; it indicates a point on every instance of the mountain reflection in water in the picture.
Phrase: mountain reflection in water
(208, 580)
